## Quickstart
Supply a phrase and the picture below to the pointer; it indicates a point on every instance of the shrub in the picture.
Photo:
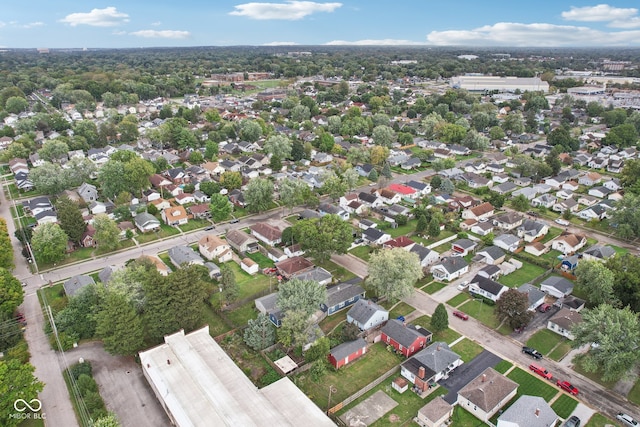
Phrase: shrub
(19, 352)
(79, 369)
(318, 370)
(94, 403)
(271, 376)
(86, 384)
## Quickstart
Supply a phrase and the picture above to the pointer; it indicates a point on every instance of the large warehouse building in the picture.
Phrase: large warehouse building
(199, 385)
(500, 84)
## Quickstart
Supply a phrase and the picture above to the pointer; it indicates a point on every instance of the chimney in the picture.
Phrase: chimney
(168, 362)
(421, 372)
(537, 412)
(484, 377)
(438, 347)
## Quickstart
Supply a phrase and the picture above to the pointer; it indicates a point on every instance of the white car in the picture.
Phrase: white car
(463, 285)
(562, 221)
(626, 420)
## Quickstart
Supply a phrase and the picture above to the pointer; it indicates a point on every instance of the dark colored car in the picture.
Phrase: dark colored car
(209, 228)
(573, 421)
(461, 315)
(543, 308)
(234, 221)
(568, 387)
(532, 352)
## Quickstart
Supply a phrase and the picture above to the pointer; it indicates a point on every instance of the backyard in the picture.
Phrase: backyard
(523, 275)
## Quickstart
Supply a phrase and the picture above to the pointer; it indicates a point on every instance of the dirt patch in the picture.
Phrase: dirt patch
(370, 410)
(393, 418)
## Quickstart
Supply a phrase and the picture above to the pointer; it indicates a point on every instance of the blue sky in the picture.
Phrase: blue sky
(135, 23)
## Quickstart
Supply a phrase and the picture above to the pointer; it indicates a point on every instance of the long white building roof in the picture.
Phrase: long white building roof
(199, 385)
(503, 84)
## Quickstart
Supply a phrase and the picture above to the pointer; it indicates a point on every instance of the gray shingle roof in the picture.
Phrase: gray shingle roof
(74, 284)
(493, 251)
(345, 349)
(559, 283)
(403, 334)
(529, 411)
(363, 310)
(488, 285)
(343, 292)
(533, 294)
(434, 358)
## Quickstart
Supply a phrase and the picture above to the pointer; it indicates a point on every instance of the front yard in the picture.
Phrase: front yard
(532, 386)
(467, 349)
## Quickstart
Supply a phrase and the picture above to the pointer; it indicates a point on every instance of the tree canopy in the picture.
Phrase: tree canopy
(394, 272)
(324, 236)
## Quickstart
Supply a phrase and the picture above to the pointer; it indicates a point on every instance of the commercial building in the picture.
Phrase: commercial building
(500, 84)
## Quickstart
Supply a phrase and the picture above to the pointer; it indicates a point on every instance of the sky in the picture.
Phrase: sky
(136, 23)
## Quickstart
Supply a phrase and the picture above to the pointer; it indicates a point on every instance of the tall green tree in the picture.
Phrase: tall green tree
(303, 295)
(220, 207)
(616, 333)
(231, 180)
(259, 333)
(49, 243)
(440, 319)
(259, 195)
(77, 319)
(279, 146)
(384, 135)
(229, 288)
(6, 249)
(630, 176)
(513, 308)
(394, 272)
(626, 216)
(324, 236)
(107, 234)
(626, 285)
(70, 218)
(291, 192)
(49, 179)
(333, 186)
(250, 130)
(119, 325)
(11, 295)
(16, 382)
(596, 281)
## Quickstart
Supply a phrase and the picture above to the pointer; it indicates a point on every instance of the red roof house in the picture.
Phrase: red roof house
(401, 189)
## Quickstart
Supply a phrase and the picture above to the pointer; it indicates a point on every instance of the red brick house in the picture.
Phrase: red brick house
(347, 352)
(406, 339)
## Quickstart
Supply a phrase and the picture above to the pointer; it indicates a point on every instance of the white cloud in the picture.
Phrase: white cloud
(280, 44)
(371, 42)
(156, 24)
(2, 24)
(517, 34)
(33, 24)
(107, 17)
(161, 34)
(291, 10)
(119, 33)
(599, 13)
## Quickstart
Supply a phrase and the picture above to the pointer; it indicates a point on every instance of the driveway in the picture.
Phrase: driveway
(462, 375)
(122, 386)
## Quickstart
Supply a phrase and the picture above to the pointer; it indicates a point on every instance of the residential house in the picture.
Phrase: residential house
(268, 305)
(487, 288)
(347, 352)
(565, 205)
(214, 248)
(490, 255)
(185, 198)
(486, 394)
(463, 246)
(555, 182)
(482, 228)
(596, 212)
(241, 241)
(508, 242)
(450, 268)
(87, 239)
(342, 295)
(375, 236)
(508, 220)
(544, 200)
(249, 266)
(364, 170)
(402, 242)
(73, 285)
(389, 197)
(266, 233)
(237, 198)
(587, 200)
(180, 255)
(427, 256)
(88, 192)
(366, 314)
(569, 262)
(430, 365)
(598, 253)
(474, 180)
(590, 179)
(421, 188)
(331, 209)
(528, 411)
(556, 286)
(600, 192)
(200, 211)
(46, 217)
(315, 274)
(568, 243)
(563, 321)
(536, 249)
(528, 192)
(405, 338)
(370, 200)
(292, 266)
(146, 222)
(505, 187)
(490, 271)
(534, 295)
(175, 216)
(531, 230)
(612, 184)
(564, 194)
(436, 413)
(482, 211)
(37, 205)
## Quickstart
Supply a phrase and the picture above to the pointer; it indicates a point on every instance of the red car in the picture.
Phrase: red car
(461, 315)
(566, 386)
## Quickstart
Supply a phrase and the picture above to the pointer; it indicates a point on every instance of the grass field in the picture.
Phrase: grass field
(599, 420)
(523, 275)
(194, 224)
(241, 315)
(544, 341)
(482, 312)
(560, 351)
(262, 260)
(463, 418)
(564, 405)
(531, 385)
(349, 378)
(552, 234)
(340, 274)
(434, 287)
(448, 335)
(216, 325)
(467, 349)
(503, 366)
(459, 299)
(401, 309)
(328, 323)
(362, 252)
(634, 394)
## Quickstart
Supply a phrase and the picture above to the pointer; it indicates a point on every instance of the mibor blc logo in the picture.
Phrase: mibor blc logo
(27, 409)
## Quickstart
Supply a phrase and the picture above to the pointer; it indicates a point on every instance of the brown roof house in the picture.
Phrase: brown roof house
(482, 211)
(214, 248)
(486, 394)
(563, 321)
(292, 266)
(435, 413)
(569, 243)
(175, 215)
(241, 241)
(266, 233)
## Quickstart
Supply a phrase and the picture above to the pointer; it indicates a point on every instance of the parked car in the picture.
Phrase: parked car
(532, 352)
(562, 221)
(568, 387)
(543, 308)
(209, 228)
(532, 213)
(626, 420)
(540, 371)
(461, 315)
(234, 221)
(573, 421)
(463, 285)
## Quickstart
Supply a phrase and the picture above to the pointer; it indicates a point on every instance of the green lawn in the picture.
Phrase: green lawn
(531, 385)
(595, 376)
(147, 237)
(402, 230)
(362, 252)
(194, 224)
(467, 349)
(564, 405)
(544, 341)
(401, 309)
(560, 351)
(599, 420)
(349, 378)
(408, 403)
(340, 274)
(330, 322)
(523, 275)
(503, 366)
(434, 287)
(216, 324)
(431, 240)
(482, 312)
(634, 394)
(56, 298)
(32, 423)
(463, 418)
(251, 285)
(241, 315)
(459, 299)
(552, 234)
(619, 250)
(448, 335)
(263, 261)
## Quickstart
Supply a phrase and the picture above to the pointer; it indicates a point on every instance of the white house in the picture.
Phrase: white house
(366, 314)
(563, 321)
(450, 268)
